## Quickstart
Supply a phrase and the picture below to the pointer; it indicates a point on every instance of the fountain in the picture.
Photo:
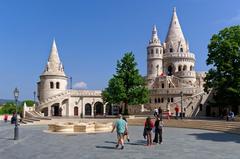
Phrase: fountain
(80, 127)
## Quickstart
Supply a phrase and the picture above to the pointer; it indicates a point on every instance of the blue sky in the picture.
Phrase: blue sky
(92, 35)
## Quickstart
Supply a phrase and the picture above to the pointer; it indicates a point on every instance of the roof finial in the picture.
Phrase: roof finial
(155, 38)
(174, 9)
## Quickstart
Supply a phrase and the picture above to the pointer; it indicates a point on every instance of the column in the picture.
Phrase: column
(92, 111)
(104, 109)
(49, 111)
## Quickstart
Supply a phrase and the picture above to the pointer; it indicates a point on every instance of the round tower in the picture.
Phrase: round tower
(154, 57)
(53, 79)
(177, 59)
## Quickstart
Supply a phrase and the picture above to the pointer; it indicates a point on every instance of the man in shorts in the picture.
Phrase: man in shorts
(121, 128)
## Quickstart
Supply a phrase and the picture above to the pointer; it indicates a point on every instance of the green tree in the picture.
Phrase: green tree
(224, 76)
(8, 108)
(127, 86)
(29, 103)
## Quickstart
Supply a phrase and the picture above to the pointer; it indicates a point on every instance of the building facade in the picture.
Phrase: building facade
(171, 76)
(56, 100)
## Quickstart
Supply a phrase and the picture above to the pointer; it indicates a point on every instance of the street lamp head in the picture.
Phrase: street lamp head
(16, 93)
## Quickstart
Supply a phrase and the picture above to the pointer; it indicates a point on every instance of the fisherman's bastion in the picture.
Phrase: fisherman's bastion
(171, 79)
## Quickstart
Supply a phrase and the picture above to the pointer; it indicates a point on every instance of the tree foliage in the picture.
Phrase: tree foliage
(127, 86)
(224, 76)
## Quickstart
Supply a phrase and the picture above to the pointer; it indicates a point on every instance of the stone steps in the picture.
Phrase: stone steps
(230, 127)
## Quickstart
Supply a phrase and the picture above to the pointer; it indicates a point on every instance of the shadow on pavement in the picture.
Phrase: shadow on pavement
(5, 138)
(106, 147)
(218, 137)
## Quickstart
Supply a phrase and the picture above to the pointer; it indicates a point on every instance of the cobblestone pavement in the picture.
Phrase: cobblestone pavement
(178, 143)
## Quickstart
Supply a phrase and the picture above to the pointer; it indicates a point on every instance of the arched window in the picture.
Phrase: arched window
(57, 85)
(181, 49)
(170, 69)
(171, 49)
(171, 99)
(155, 100)
(184, 68)
(162, 100)
(151, 51)
(159, 100)
(168, 99)
(162, 85)
(157, 51)
(191, 68)
(169, 85)
(51, 85)
(180, 68)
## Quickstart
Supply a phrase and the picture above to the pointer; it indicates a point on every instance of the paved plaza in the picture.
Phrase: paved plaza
(178, 143)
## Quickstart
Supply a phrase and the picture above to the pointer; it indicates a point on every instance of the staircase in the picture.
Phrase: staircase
(215, 125)
(33, 116)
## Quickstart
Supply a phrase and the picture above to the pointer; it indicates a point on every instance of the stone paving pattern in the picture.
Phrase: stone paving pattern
(178, 143)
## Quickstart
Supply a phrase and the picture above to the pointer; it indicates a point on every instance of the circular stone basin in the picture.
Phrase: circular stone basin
(81, 127)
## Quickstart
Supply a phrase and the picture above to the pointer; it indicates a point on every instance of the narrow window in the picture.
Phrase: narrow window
(150, 101)
(151, 51)
(171, 99)
(159, 100)
(51, 85)
(171, 50)
(162, 85)
(168, 99)
(162, 100)
(155, 100)
(57, 85)
(181, 49)
(157, 51)
(169, 85)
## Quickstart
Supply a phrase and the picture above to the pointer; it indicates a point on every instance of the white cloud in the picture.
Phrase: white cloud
(80, 85)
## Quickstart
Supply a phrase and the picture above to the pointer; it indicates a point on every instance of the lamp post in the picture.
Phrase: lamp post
(16, 94)
(181, 93)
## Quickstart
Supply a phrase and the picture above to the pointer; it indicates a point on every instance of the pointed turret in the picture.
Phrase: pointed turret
(155, 39)
(174, 31)
(54, 65)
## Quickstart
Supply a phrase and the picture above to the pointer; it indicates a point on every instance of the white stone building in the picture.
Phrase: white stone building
(56, 100)
(171, 79)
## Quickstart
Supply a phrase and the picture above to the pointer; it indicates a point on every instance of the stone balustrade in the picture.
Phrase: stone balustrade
(179, 55)
(185, 74)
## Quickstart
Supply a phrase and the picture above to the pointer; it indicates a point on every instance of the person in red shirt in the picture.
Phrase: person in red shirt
(177, 111)
(148, 125)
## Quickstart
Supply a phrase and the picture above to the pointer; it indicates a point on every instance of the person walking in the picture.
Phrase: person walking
(158, 130)
(126, 133)
(121, 127)
(160, 113)
(148, 125)
(5, 117)
(177, 111)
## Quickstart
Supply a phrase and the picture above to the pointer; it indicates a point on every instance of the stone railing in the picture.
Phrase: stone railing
(173, 91)
(185, 74)
(179, 55)
(88, 93)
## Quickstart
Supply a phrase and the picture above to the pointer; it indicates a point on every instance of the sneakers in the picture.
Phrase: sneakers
(128, 140)
(116, 146)
(122, 147)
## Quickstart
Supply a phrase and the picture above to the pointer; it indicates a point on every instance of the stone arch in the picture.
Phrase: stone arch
(109, 109)
(45, 111)
(180, 68)
(88, 109)
(191, 68)
(98, 108)
(55, 109)
(185, 68)
(75, 111)
(170, 70)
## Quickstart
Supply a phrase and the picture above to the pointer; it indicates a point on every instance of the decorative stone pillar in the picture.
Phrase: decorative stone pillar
(104, 109)
(49, 111)
(92, 111)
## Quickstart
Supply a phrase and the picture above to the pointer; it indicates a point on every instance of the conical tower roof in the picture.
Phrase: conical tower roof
(54, 65)
(175, 33)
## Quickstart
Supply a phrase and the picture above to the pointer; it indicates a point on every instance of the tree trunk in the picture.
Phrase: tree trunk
(125, 108)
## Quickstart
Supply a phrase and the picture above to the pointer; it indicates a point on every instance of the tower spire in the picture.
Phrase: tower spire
(154, 39)
(54, 65)
(174, 31)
